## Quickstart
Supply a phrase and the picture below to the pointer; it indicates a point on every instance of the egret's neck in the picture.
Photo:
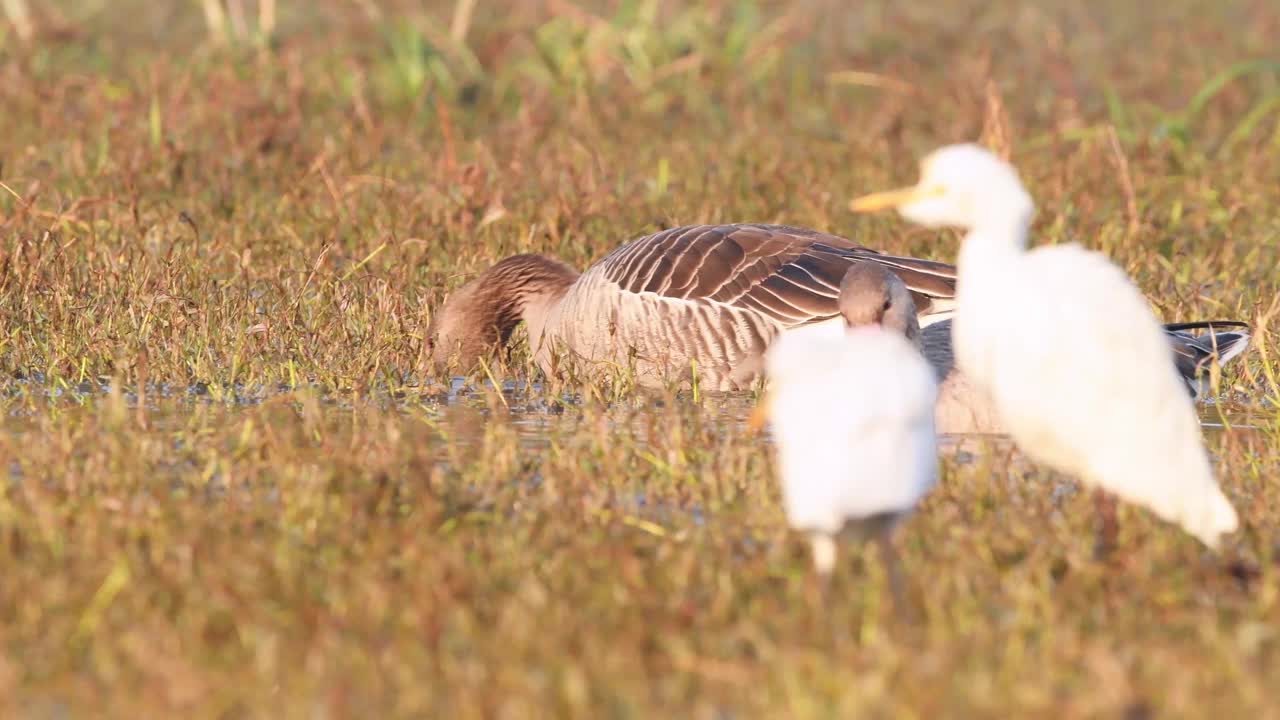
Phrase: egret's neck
(997, 236)
(987, 256)
(984, 246)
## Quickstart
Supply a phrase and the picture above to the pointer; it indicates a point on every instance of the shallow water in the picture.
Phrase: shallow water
(528, 409)
(461, 413)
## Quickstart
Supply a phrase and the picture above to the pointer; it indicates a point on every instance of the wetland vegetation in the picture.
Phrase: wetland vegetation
(233, 487)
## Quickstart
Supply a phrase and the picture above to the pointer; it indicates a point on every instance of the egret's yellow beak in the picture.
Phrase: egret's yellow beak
(760, 416)
(886, 199)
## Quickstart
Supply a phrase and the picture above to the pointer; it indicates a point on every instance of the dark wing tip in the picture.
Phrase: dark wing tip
(1206, 325)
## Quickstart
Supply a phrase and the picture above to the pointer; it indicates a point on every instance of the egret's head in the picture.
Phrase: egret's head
(872, 294)
(960, 185)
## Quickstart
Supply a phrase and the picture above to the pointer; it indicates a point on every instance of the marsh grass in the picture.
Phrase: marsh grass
(232, 488)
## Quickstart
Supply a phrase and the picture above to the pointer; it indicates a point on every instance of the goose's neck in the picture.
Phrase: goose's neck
(912, 331)
(483, 313)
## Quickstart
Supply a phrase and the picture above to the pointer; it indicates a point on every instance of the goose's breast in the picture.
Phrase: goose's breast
(964, 408)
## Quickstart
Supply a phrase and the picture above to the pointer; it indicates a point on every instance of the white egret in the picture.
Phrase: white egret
(1119, 417)
(853, 417)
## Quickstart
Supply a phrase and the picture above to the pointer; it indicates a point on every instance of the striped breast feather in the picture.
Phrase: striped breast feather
(791, 275)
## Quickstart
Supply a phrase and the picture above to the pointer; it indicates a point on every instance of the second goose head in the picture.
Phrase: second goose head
(871, 294)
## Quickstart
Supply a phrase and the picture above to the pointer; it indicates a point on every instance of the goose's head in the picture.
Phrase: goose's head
(961, 186)
(469, 325)
(479, 317)
(871, 294)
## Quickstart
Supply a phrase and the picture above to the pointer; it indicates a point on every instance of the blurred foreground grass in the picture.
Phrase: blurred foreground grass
(232, 489)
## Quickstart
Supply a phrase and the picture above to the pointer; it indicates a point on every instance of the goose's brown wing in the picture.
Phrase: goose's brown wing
(791, 275)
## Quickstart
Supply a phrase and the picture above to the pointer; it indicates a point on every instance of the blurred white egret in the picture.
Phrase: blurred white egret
(1118, 417)
(853, 416)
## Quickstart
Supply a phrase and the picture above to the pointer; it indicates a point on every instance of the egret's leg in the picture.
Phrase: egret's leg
(824, 553)
(1105, 505)
(892, 569)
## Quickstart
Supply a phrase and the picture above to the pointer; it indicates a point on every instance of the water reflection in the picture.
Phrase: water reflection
(461, 412)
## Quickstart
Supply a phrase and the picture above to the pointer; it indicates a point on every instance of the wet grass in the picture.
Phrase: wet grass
(232, 488)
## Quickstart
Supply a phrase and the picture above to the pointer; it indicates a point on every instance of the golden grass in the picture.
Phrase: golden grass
(233, 489)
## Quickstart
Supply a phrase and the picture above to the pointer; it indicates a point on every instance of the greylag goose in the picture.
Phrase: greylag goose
(853, 457)
(1117, 417)
(710, 297)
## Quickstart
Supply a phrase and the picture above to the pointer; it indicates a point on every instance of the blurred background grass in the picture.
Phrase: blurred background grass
(343, 165)
(233, 491)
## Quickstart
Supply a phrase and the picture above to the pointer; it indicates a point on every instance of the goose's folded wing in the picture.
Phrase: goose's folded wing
(1193, 353)
(791, 275)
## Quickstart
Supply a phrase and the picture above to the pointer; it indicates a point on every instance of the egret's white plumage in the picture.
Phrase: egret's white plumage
(1119, 417)
(853, 415)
